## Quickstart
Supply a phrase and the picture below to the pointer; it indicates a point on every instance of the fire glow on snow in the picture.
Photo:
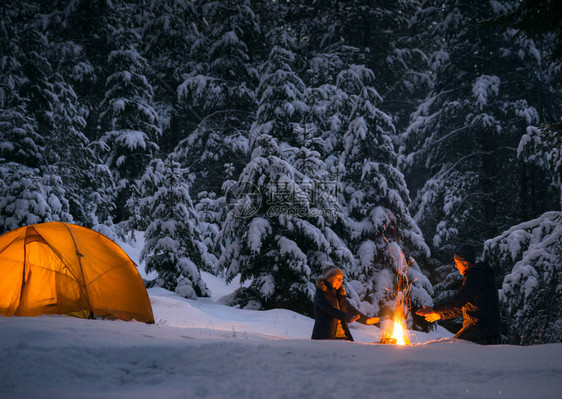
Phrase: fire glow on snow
(202, 349)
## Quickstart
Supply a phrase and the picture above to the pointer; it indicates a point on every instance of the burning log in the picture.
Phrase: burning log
(387, 340)
(399, 333)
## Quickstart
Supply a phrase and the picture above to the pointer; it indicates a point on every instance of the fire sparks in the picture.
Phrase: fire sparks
(397, 333)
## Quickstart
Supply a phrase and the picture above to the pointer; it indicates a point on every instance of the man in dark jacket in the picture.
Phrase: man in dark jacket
(332, 311)
(476, 301)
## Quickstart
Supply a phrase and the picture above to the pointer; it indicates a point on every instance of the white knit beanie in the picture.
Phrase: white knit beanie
(328, 270)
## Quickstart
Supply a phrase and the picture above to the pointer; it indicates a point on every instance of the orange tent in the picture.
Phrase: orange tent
(60, 268)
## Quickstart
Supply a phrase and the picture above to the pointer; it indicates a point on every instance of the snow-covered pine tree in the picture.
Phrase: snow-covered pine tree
(232, 32)
(542, 146)
(218, 93)
(79, 34)
(329, 105)
(281, 245)
(29, 196)
(168, 35)
(217, 102)
(537, 20)
(459, 152)
(129, 121)
(271, 235)
(169, 32)
(351, 32)
(212, 211)
(461, 143)
(321, 187)
(87, 182)
(381, 231)
(84, 31)
(173, 246)
(530, 255)
(36, 92)
(31, 190)
(280, 92)
(20, 139)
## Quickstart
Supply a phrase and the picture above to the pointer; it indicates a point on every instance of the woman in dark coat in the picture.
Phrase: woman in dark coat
(332, 311)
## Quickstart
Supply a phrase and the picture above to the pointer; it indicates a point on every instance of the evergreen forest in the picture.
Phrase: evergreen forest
(264, 139)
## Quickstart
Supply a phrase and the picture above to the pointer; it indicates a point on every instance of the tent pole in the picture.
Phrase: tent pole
(79, 256)
(23, 268)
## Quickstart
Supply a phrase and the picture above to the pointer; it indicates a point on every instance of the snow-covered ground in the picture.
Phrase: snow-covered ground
(202, 349)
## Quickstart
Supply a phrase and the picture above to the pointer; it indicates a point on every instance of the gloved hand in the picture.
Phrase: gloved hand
(429, 314)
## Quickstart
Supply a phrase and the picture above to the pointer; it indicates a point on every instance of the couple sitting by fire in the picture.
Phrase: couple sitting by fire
(476, 301)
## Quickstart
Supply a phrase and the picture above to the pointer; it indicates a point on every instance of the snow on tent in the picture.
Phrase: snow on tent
(60, 268)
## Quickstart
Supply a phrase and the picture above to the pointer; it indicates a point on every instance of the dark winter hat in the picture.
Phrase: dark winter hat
(328, 270)
(466, 253)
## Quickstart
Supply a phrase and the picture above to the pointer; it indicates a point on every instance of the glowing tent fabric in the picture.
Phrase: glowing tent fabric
(59, 268)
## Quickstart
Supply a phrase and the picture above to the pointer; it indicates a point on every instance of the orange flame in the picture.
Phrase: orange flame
(400, 331)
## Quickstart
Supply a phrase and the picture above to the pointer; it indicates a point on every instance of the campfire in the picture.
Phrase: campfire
(396, 333)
